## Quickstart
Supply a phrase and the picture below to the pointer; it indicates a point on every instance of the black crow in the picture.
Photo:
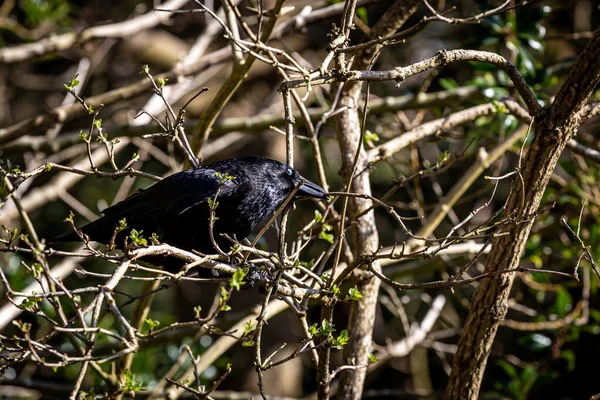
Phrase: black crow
(177, 208)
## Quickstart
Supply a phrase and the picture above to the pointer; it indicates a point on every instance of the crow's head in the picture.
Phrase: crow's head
(293, 179)
(269, 176)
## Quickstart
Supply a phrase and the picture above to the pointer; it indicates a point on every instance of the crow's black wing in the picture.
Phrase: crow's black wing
(158, 206)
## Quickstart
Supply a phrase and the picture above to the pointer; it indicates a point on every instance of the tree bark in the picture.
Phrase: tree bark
(553, 129)
(365, 238)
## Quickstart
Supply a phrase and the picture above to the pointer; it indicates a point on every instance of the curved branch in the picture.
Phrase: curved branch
(435, 127)
(442, 58)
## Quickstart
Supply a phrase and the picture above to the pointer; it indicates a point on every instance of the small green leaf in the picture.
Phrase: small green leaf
(70, 217)
(371, 138)
(197, 310)
(325, 235)
(154, 239)
(122, 225)
(249, 327)
(499, 107)
(25, 327)
(318, 216)
(448, 83)
(354, 294)
(443, 157)
(361, 12)
(224, 178)
(72, 84)
(162, 81)
(30, 304)
(326, 328)
(152, 324)
(136, 237)
(340, 341)
(37, 270)
(130, 384)
(237, 279)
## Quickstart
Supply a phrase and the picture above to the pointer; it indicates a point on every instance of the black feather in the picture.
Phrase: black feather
(176, 208)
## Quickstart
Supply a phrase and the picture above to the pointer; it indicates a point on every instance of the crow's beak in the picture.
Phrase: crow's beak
(309, 189)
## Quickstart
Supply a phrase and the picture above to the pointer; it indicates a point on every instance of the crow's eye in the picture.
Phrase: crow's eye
(289, 171)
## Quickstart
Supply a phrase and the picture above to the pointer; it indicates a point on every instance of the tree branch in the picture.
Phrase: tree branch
(553, 130)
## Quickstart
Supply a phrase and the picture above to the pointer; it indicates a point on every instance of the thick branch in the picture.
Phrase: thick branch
(365, 238)
(442, 58)
(489, 306)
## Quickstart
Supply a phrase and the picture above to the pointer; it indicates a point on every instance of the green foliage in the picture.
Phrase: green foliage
(371, 138)
(11, 234)
(326, 328)
(237, 279)
(122, 225)
(325, 233)
(224, 178)
(72, 84)
(318, 216)
(37, 270)
(340, 341)
(223, 300)
(306, 264)
(151, 324)
(361, 12)
(137, 238)
(249, 328)
(564, 302)
(131, 384)
(154, 239)
(162, 81)
(354, 294)
(197, 311)
(55, 12)
(521, 380)
(30, 304)
(322, 329)
(25, 327)
(443, 157)
(7, 167)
